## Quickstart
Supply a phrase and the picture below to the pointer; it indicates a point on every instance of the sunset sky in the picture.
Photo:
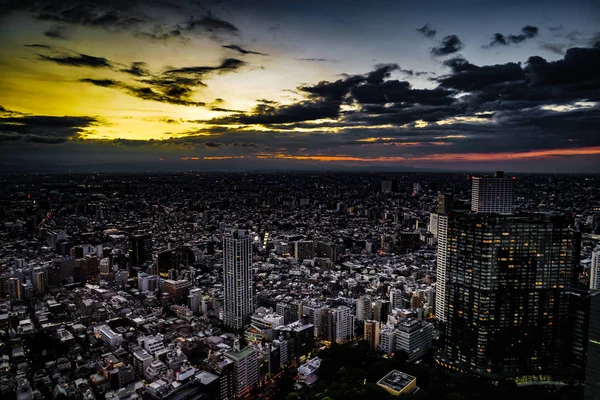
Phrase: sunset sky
(113, 85)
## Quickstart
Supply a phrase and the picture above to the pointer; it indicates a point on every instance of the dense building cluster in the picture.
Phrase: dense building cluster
(176, 286)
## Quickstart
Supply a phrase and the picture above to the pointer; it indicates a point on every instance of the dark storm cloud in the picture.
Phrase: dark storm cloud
(333, 91)
(172, 86)
(427, 31)
(448, 45)
(220, 109)
(242, 50)
(211, 23)
(137, 68)
(80, 60)
(527, 32)
(37, 46)
(381, 72)
(178, 95)
(268, 114)
(468, 77)
(227, 65)
(41, 128)
(394, 91)
(57, 32)
(133, 16)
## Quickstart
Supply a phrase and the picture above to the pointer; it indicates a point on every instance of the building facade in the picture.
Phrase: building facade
(507, 306)
(237, 279)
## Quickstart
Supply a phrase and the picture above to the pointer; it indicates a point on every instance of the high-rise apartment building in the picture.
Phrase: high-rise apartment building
(595, 270)
(245, 369)
(441, 266)
(364, 309)
(237, 279)
(492, 195)
(507, 278)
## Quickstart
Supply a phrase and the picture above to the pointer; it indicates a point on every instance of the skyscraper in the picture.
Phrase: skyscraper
(364, 309)
(141, 249)
(237, 279)
(507, 306)
(442, 256)
(592, 375)
(492, 195)
(595, 270)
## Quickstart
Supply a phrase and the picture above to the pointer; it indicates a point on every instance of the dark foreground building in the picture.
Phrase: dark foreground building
(507, 287)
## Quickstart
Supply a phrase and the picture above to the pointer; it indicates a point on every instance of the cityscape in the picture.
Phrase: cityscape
(299, 200)
(259, 285)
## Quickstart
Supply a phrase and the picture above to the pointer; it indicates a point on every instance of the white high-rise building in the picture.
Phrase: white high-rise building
(194, 300)
(364, 308)
(492, 195)
(237, 278)
(595, 270)
(387, 341)
(344, 324)
(442, 256)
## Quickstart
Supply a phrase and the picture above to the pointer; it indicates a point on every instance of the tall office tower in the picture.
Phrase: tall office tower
(441, 267)
(492, 195)
(364, 308)
(237, 278)
(372, 332)
(396, 299)
(507, 292)
(595, 270)
(445, 203)
(592, 369)
(140, 249)
(245, 369)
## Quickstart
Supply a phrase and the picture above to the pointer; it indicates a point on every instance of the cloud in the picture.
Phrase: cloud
(172, 86)
(57, 32)
(211, 23)
(241, 50)
(42, 128)
(137, 68)
(227, 65)
(318, 60)
(37, 46)
(158, 35)
(468, 77)
(427, 31)
(448, 45)
(555, 48)
(80, 60)
(178, 95)
(527, 32)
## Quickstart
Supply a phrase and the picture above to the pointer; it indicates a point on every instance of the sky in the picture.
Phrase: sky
(157, 85)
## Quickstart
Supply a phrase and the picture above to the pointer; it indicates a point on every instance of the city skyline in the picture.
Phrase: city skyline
(183, 85)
